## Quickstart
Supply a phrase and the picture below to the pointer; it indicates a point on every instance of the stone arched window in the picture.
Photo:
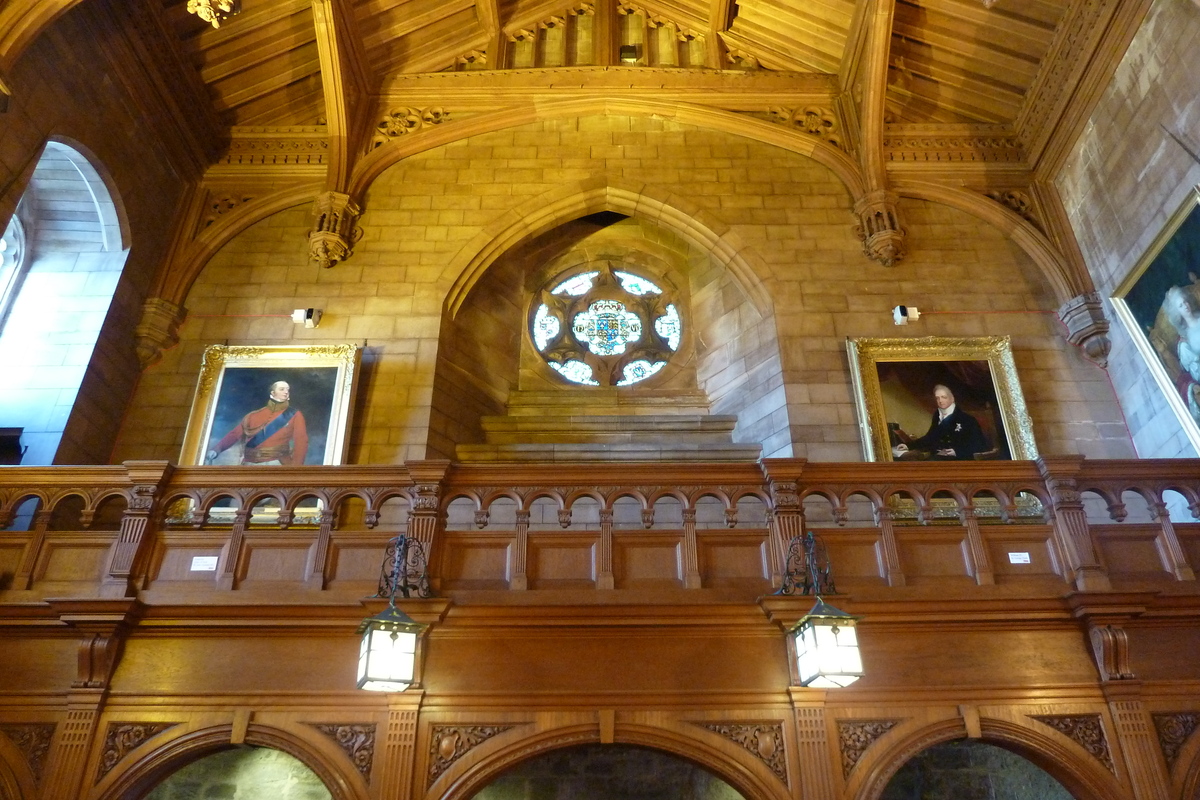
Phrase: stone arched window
(13, 264)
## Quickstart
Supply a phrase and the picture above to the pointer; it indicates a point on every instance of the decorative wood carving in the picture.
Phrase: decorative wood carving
(879, 227)
(449, 743)
(1018, 201)
(357, 741)
(33, 740)
(855, 736)
(291, 146)
(763, 740)
(813, 120)
(1110, 646)
(1086, 730)
(1173, 732)
(219, 203)
(334, 231)
(158, 329)
(121, 737)
(959, 144)
(1087, 326)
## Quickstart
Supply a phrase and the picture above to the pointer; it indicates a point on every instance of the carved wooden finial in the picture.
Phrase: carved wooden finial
(879, 227)
(334, 233)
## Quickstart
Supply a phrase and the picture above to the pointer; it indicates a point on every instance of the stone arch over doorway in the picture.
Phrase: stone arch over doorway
(141, 775)
(735, 767)
(1070, 765)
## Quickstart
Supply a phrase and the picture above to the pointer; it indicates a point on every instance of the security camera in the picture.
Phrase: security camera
(904, 314)
(308, 317)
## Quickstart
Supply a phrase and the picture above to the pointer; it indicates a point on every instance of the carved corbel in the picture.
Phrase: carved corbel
(334, 231)
(1110, 647)
(1087, 326)
(102, 626)
(879, 227)
(158, 329)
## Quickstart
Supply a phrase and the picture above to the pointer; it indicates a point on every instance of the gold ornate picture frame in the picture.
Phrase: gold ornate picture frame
(1159, 304)
(285, 405)
(895, 382)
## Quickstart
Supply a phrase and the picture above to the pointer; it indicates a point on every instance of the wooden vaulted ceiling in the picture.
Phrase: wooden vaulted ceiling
(951, 61)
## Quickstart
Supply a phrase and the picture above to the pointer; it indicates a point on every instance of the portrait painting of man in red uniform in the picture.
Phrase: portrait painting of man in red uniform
(271, 417)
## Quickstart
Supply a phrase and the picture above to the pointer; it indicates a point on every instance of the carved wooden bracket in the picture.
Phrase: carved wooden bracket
(103, 625)
(1110, 646)
(334, 234)
(1087, 326)
(879, 227)
(158, 329)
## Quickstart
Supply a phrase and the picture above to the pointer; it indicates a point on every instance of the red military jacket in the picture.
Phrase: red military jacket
(288, 445)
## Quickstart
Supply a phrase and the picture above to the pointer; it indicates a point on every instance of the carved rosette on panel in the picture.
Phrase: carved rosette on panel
(403, 121)
(763, 740)
(856, 735)
(1173, 732)
(357, 741)
(449, 743)
(122, 737)
(33, 740)
(1086, 730)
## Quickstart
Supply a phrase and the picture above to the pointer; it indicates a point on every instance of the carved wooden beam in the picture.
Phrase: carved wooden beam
(348, 85)
(883, 238)
(720, 19)
(488, 12)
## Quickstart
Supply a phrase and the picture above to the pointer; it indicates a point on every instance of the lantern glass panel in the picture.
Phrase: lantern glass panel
(386, 659)
(827, 654)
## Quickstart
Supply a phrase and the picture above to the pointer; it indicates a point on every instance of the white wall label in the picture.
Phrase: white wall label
(1018, 558)
(204, 563)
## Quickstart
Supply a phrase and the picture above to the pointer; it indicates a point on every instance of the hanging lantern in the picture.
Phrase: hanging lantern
(387, 658)
(827, 653)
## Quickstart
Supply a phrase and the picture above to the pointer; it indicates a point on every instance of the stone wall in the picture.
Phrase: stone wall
(1133, 166)
(786, 218)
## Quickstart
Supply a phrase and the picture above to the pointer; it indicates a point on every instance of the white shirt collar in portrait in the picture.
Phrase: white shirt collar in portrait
(945, 412)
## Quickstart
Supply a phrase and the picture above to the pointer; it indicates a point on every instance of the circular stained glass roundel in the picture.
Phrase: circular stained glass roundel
(605, 327)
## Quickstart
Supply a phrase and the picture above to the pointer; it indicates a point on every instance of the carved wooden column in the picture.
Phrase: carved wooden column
(128, 552)
(103, 626)
(787, 522)
(879, 220)
(604, 561)
(398, 780)
(981, 562)
(23, 578)
(232, 555)
(884, 518)
(318, 570)
(691, 551)
(607, 33)
(814, 760)
(1168, 543)
(1139, 743)
(518, 558)
(1070, 523)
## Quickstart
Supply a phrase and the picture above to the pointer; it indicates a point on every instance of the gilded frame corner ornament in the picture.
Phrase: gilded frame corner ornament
(337, 363)
(866, 356)
(1141, 303)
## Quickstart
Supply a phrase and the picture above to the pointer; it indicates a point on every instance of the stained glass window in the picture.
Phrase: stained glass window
(635, 284)
(668, 326)
(545, 327)
(576, 285)
(639, 370)
(606, 327)
(576, 371)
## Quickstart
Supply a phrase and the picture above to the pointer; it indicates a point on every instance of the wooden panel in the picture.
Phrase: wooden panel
(929, 556)
(729, 560)
(1042, 564)
(855, 555)
(475, 561)
(561, 560)
(1189, 540)
(355, 560)
(10, 559)
(1129, 551)
(274, 561)
(642, 560)
(173, 559)
(72, 558)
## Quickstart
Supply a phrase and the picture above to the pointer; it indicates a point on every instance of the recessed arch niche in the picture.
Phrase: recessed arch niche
(491, 384)
(966, 768)
(242, 771)
(599, 772)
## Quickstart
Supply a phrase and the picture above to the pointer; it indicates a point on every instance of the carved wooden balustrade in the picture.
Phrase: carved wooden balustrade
(181, 534)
